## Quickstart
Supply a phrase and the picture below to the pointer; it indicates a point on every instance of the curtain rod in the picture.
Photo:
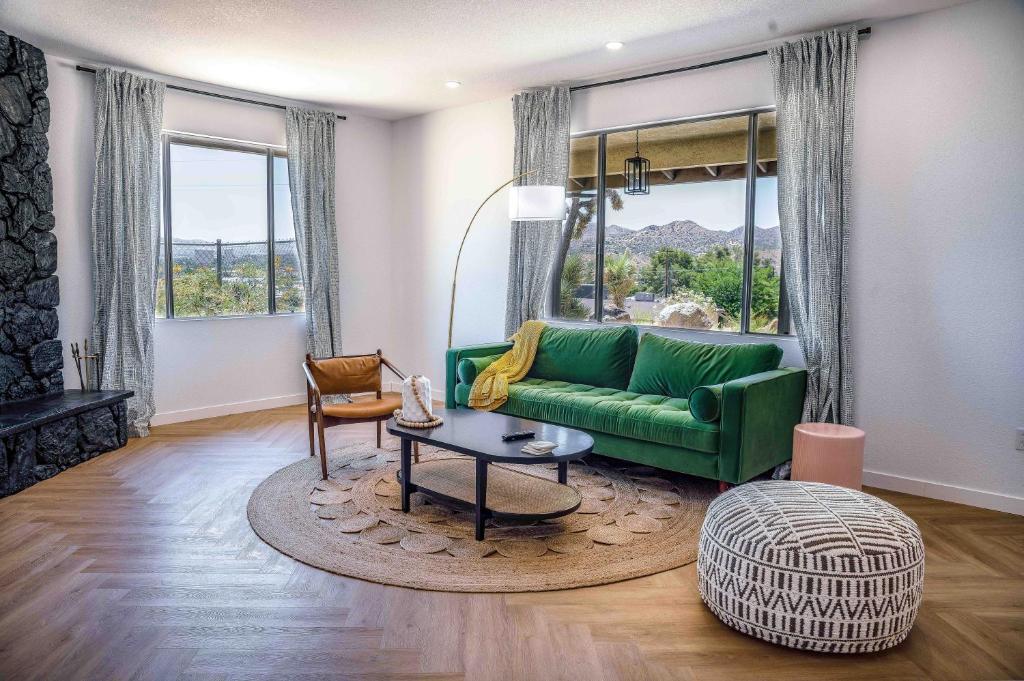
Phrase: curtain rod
(694, 67)
(79, 67)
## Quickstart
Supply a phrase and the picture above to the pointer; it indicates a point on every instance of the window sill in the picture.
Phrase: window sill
(732, 336)
(163, 320)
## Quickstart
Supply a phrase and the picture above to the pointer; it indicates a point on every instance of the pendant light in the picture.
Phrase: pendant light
(637, 172)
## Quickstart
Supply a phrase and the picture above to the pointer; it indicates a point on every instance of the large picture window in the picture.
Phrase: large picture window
(228, 223)
(701, 250)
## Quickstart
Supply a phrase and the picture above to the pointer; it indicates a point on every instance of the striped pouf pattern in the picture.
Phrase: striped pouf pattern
(811, 566)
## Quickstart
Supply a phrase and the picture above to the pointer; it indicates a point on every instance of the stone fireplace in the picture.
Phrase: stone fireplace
(43, 429)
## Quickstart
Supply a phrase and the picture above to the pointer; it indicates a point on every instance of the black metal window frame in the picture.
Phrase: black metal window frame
(748, 227)
(167, 228)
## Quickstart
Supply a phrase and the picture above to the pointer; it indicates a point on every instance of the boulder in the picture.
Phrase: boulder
(45, 222)
(35, 65)
(11, 370)
(687, 315)
(41, 120)
(25, 215)
(43, 293)
(54, 383)
(12, 180)
(23, 460)
(7, 138)
(14, 101)
(15, 264)
(46, 254)
(41, 191)
(26, 326)
(616, 314)
(120, 414)
(23, 388)
(32, 151)
(44, 471)
(57, 442)
(46, 357)
(98, 430)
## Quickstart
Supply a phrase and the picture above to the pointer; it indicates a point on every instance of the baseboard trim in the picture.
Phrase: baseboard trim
(938, 490)
(211, 411)
(895, 483)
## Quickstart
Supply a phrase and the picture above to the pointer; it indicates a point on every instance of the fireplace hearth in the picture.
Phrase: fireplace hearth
(43, 436)
(43, 429)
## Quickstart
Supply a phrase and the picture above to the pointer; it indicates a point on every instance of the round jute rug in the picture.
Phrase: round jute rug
(633, 521)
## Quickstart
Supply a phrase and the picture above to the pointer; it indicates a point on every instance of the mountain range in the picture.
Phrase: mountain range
(685, 235)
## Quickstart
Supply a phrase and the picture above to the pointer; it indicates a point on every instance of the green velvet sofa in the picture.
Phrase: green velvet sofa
(724, 412)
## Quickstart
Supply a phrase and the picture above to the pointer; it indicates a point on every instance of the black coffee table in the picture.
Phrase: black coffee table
(511, 494)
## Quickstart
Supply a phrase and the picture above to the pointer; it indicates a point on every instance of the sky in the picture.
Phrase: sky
(713, 205)
(221, 194)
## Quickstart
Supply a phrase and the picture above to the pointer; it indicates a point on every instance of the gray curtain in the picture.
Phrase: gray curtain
(125, 234)
(541, 144)
(814, 93)
(311, 180)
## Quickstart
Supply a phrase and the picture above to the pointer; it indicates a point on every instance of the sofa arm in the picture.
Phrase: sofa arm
(758, 416)
(451, 365)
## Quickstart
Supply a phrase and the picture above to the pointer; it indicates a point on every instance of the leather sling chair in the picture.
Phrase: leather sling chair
(343, 375)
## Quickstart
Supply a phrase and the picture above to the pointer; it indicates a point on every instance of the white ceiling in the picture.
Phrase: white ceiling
(390, 58)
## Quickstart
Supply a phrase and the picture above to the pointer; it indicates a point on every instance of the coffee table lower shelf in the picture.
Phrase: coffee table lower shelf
(495, 491)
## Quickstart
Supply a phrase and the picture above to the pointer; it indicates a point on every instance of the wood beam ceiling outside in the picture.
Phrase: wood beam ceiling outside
(671, 154)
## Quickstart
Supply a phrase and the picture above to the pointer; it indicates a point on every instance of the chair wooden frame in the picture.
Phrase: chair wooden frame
(319, 421)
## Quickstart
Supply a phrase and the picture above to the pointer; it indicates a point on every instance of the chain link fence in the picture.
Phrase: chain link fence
(231, 278)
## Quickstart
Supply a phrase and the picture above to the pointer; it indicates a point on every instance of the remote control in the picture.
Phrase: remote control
(520, 435)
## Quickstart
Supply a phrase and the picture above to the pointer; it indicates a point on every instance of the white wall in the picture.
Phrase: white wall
(936, 248)
(217, 366)
(71, 162)
(937, 253)
(445, 164)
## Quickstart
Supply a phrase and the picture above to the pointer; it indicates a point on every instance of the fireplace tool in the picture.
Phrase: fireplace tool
(91, 363)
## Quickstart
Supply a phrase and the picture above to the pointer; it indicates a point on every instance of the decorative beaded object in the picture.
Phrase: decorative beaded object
(416, 411)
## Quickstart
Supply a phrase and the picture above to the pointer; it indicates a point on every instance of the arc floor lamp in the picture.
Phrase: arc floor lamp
(537, 202)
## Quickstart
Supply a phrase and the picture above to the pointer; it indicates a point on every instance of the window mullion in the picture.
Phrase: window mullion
(748, 230)
(271, 284)
(168, 234)
(602, 157)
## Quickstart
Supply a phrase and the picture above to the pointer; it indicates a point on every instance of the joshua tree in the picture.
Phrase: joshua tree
(581, 211)
(573, 274)
(619, 276)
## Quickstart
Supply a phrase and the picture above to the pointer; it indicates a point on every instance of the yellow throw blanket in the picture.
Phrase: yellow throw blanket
(490, 389)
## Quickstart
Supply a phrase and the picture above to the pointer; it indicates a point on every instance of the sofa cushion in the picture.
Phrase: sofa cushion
(705, 402)
(666, 366)
(597, 357)
(470, 367)
(651, 418)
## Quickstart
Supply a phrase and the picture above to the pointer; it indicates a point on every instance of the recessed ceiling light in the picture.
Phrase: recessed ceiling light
(452, 84)
(614, 45)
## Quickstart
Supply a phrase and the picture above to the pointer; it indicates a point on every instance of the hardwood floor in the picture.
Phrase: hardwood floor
(140, 564)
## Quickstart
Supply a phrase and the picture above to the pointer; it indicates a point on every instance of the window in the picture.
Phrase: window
(228, 221)
(702, 250)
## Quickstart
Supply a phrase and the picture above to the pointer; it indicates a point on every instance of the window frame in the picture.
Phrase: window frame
(748, 227)
(167, 138)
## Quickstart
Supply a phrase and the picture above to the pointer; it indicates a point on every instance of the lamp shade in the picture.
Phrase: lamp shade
(536, 202)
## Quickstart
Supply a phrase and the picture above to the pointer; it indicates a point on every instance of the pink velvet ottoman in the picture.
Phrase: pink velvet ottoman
(830, 453)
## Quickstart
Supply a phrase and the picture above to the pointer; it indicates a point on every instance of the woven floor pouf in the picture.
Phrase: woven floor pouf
(811, 566)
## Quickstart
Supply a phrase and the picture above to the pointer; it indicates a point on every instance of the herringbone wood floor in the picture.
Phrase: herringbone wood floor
(141, 565)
